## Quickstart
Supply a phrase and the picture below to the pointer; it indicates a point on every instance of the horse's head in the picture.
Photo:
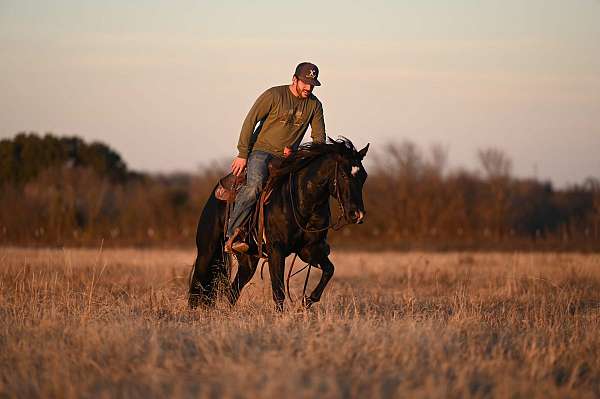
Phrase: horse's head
(349, 178)
(331, 168)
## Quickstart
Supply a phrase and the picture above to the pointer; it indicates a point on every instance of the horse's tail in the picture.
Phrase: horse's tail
(209, 264)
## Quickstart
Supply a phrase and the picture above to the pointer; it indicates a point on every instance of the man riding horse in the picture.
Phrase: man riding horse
(294, 214)
(283, 114)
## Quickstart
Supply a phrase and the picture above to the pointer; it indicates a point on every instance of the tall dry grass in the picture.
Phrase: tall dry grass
(84, 323)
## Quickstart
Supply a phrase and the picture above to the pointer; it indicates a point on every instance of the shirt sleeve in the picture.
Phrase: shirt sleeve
(317, 125)
(258, 112)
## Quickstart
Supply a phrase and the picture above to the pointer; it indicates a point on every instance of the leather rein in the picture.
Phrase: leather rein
(335, 226)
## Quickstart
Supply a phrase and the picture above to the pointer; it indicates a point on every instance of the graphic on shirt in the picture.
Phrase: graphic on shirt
(292, 117)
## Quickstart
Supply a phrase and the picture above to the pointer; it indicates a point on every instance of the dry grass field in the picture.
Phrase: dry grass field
(85, 323)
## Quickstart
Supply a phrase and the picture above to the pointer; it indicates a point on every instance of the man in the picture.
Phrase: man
(283, 114)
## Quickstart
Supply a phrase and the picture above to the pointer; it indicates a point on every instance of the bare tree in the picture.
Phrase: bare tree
(438, 154)
(593, 185)
(495, 163)
(497, 167)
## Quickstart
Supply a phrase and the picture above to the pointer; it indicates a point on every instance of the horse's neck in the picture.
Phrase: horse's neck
(312, 185)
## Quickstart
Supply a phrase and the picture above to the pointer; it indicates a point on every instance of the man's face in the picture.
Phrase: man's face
(302, 89)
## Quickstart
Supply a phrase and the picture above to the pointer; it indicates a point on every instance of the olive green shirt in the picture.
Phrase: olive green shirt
(282, 121)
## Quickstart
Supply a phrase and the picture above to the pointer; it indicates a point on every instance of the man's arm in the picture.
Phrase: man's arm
(317, 125)
(258, 112)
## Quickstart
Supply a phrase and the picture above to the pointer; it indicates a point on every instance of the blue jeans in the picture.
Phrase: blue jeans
(257, 173)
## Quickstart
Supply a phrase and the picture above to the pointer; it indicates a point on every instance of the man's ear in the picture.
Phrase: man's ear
(363, 152)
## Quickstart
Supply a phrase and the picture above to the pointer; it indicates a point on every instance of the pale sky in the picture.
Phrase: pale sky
(168, 83)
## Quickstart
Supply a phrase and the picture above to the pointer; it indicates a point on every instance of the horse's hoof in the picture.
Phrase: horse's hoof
(307, 302)
(193, 301)
(200, 301)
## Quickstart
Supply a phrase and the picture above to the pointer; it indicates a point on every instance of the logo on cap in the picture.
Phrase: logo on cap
(307, 72)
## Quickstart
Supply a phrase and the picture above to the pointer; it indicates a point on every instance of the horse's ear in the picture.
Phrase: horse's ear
(363, 152)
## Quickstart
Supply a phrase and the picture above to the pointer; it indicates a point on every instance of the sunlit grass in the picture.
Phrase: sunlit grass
(115, 323)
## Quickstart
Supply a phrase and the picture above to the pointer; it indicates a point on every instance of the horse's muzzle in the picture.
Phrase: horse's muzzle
(358, 216)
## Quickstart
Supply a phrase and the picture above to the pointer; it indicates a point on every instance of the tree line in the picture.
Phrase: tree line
(64, 191)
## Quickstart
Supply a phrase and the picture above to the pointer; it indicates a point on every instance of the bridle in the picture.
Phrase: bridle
(335, 226)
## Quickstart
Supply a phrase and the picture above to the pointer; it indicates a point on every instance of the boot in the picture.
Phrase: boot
(235, 243)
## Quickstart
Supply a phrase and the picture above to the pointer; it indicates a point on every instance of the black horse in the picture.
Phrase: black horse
(296, 220)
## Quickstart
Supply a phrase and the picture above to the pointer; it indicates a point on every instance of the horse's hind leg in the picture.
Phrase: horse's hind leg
(204, 280)
(246, 269)
(209, 265)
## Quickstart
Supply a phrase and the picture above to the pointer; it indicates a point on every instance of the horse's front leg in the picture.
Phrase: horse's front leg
(277, 271)
(327, 268)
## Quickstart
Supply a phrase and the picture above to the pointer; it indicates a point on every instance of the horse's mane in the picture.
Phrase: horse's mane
(308, 152)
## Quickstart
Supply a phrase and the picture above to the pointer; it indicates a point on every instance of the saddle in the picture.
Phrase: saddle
(227, 190)
(230, 185)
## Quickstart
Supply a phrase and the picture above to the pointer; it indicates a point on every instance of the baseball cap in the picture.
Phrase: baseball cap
(308, 73)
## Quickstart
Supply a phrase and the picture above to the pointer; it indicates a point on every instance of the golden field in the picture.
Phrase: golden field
(115, 323)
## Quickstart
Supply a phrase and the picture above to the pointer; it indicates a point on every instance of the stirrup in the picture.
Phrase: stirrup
(234, 245)
(240, 246)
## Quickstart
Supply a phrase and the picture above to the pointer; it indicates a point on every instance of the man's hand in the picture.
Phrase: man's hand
(238, 165)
